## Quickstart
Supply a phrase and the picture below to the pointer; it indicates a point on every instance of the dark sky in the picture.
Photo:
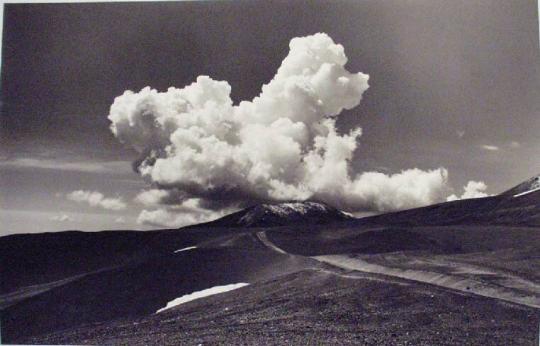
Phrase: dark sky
(447, 79)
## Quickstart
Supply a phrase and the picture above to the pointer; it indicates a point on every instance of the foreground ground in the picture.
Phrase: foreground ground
(322, 307)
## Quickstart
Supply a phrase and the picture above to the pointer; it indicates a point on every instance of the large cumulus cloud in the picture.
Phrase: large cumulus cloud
(282, 145)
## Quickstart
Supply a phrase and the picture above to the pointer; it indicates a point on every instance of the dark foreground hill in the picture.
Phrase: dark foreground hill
(315, 307)
(30, 259)
(140, 289)
(463, 272)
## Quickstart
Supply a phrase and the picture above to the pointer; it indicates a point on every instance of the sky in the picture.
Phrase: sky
(453, 93)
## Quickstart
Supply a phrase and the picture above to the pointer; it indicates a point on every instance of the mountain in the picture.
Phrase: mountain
(312, 270)
(517, 206)
(529, 186)
(282, 214)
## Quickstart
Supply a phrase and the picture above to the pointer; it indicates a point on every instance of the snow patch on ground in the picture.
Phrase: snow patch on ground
(527, 192)
(201, 294)
(185, 249)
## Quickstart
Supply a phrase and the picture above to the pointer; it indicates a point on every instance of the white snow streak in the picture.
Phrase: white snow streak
(185, 249)
(527, 192)
(201, 294)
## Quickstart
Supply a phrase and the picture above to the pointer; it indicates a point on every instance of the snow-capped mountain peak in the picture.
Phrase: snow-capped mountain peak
(525, 188)
(283, 214)
(527, 192)
(286, 211)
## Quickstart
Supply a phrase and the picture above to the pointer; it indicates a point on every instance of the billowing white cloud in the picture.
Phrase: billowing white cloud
(187, 213)
(490, 147)
(165, 218)
(120, 220)
(151, 197)
(96, 199)
(282, 145)
(408, 189)
(473, 189)
(61, 218)
(155, 197)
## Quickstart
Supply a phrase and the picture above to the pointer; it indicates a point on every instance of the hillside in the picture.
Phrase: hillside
(431, 275)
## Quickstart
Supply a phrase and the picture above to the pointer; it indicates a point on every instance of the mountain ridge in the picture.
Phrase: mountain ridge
(281, 214)
(529, 185)
(518, 205)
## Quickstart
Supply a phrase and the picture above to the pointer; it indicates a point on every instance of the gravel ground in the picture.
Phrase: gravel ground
(314, 307)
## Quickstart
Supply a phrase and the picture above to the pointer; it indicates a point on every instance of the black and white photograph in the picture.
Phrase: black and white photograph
(270, 172)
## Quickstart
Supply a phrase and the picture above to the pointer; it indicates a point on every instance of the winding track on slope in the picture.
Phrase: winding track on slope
(516, 290)
(264, 239)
